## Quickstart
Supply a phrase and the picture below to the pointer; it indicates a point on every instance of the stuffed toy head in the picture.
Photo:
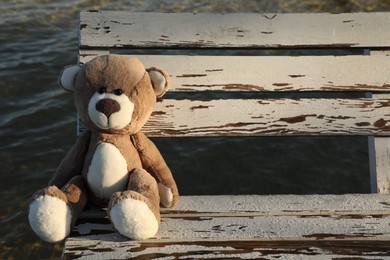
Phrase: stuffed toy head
(113, 164)
(114, 93)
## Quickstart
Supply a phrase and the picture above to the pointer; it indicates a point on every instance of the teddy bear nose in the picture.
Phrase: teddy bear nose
(107, 106)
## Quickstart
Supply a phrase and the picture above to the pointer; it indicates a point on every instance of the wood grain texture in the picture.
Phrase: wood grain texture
(269, 117)
(250, 227)
(186, 30)
(277, 73)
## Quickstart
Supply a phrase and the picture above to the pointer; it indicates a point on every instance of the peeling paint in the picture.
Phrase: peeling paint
(192, 218)
(336, 236)
(214, 70)
(242, 87)
(296, 119)
(341, 117)
(297, 76)
(380, 123)
(158, 113)
(199, 107)
(191, 75)
(363, 124)
(281, 84)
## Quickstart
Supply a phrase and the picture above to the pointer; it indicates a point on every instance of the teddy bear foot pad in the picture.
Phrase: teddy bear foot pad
(50, 218)
(134, 219)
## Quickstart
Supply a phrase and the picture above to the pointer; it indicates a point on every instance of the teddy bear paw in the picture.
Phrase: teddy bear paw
(133, 218)
(50, 218)
(166, 195)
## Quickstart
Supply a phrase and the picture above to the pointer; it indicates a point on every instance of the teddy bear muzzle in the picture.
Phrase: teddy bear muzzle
(110, 111)
(107, 106)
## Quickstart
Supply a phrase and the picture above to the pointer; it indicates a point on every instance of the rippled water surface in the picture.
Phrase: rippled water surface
(37, 120)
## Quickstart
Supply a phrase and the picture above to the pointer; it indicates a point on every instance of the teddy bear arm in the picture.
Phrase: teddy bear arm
(54, 210)
(154, 163)
(72, 163)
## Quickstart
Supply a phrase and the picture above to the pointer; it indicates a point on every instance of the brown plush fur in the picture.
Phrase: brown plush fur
(145, 165)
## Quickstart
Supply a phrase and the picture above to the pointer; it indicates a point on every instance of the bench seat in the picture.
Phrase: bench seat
(256, 75)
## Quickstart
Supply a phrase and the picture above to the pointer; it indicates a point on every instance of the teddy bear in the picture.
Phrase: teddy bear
(113, 164)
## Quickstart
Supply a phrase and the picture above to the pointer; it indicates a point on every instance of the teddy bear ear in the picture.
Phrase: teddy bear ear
(68, 76)
(160, 80)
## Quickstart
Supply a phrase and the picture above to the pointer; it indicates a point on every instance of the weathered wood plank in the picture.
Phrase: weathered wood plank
(368, 225)
(277, 204)
(226, 249)
(278, 73)
(183, 30)
(251, 226)
(269, 117)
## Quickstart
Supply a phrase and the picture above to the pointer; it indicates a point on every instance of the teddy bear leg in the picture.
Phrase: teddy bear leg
(53, 212)
(76, 193)
(135, 213)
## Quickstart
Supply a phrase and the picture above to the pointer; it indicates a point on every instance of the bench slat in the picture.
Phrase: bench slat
(262, 117)
(211, 226)
(186, 30)
(229, 249)
(299, 227)
(277, 204)
(261, 73)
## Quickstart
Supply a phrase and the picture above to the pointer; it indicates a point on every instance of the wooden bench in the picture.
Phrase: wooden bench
(221, 65)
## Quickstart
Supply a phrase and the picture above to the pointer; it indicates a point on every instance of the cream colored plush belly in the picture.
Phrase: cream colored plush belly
(108, 171)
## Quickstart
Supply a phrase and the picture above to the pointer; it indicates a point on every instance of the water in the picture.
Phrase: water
(37, 120)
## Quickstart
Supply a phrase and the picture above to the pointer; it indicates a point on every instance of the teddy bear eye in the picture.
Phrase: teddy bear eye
(118, 92)
(102, 90)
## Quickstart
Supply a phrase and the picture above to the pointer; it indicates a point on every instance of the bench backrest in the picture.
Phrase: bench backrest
(259, 74)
